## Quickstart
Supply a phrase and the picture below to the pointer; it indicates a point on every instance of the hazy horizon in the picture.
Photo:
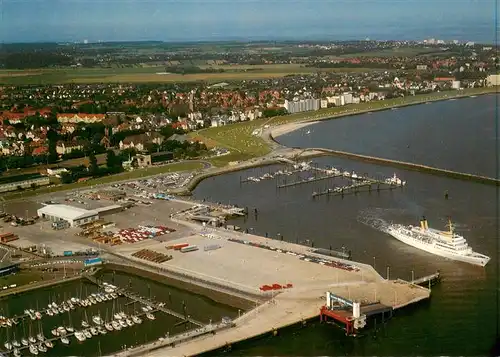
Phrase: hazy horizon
(250, 20)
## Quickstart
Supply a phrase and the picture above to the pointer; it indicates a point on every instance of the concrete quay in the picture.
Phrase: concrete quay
(240, 266)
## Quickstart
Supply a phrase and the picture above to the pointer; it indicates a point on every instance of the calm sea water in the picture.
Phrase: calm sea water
(455, 134)
(461, 316)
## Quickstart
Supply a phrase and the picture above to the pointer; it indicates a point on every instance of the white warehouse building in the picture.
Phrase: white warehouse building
(73, 215)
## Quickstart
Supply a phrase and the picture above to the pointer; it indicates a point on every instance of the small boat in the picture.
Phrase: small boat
(9, 322)
(65, 340)
(85, 324)
(7, 345)
(17, 353)
(93, 331)
(116, 325)
(122, 323)
(70, 329)
(40, 337)
(16, 343)
(108, 326)
(31, 339)
(33, 350)
(50, 312)
(114, 295)
(61, 330)
(136, 319)
(97, 320)
(38, 315)
(98, 298)
(87, 333)
(117, 316)
(24, 342)
(54, 332)
(102, 330)
(150, 316)
(42, 348)
(80, 336)
(55, 311)
(49, 344)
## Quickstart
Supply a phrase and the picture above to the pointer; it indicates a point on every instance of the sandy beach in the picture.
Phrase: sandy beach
(289, 127)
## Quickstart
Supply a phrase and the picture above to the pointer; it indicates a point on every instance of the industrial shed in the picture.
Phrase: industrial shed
(75, 216)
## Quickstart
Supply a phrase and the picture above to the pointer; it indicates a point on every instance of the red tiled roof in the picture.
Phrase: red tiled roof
(40, 150)
(80, 115)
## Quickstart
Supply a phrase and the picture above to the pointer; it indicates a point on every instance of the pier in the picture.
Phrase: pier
(428, 280)
(310, 180)
(146, 302)
(355, 188)
(307, 276)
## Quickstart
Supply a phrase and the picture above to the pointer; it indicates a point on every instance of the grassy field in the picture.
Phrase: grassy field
(154, 74)
(136, 174)
(20, 278)
(236, 137)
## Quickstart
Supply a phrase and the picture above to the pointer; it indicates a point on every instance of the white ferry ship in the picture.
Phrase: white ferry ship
(447, 244)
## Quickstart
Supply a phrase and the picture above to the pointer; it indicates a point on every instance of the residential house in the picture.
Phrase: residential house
(80, 117)
(140, 141)
(67, 147)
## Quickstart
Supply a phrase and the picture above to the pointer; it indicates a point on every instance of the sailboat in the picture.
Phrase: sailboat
(70, 328)
(33, 350)
(85, 324)
(80, 336)
(31, 339)
(40, 337)
(108, 325)
(42, 348)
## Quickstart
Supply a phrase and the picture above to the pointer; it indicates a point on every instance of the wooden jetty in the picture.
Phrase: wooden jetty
(312, 179)
(355, 188)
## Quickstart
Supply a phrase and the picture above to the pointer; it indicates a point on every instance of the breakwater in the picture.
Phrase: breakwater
(408, 166)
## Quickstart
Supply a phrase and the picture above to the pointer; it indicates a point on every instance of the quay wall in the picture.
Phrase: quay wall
(235, 299)
(38, 285)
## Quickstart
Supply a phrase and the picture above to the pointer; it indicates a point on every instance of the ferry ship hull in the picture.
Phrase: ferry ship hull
(430, 248)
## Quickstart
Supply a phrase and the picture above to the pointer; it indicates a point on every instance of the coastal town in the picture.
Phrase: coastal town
(102, 146)
(75, 129)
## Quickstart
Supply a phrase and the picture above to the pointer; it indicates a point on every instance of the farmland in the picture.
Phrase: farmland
(157, 74)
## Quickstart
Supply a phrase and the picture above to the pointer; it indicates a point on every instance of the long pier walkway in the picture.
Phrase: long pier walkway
(147, 302)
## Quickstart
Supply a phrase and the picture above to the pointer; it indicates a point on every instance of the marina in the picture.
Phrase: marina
(362, 182)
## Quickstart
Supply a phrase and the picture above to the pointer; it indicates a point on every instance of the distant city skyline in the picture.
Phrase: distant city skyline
(206, 20)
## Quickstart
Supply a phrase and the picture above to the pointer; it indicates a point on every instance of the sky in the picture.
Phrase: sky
(205, 20)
